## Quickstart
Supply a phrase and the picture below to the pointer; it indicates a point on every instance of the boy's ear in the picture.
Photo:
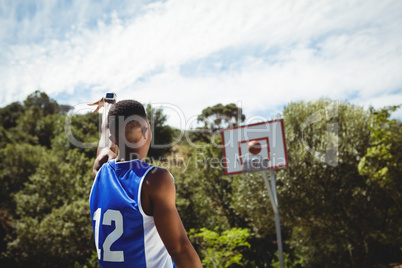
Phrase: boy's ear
(148, 132)
(144, 132)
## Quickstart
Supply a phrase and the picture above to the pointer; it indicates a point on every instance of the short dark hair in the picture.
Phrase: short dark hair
(121, 111)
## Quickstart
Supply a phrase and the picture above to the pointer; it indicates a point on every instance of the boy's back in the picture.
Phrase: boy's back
(118, 218)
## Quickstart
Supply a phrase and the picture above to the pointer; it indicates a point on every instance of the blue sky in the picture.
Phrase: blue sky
(185, 55)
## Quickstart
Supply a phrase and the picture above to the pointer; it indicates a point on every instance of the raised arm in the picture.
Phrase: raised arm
(107, 150)
(158, 199)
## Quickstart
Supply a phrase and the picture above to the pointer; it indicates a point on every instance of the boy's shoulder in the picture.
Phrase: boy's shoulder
(158, 179)
(158, 173)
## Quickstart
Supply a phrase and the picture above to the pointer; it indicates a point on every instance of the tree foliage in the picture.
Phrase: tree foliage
(221, 116)
(19, 161)
(340, 198)
(161, 132)
(44, 213)
(382, 168)
(327, 207)
(10, 114)
(215, 118)
(221, 249)
(331, 208)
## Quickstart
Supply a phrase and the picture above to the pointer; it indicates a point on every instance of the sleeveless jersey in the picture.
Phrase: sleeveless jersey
(124, 235)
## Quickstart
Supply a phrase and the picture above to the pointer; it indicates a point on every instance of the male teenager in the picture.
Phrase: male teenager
(134, 217)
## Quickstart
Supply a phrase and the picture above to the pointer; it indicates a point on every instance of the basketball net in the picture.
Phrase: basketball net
(251, 163)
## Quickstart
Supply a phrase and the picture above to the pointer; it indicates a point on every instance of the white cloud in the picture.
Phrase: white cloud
(279, 52)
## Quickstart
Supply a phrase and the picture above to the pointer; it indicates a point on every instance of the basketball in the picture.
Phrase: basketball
(254, 147)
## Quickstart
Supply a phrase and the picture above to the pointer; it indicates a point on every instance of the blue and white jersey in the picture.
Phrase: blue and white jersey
(124, 235)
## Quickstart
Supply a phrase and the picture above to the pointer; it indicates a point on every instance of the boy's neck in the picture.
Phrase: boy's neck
(127, 154)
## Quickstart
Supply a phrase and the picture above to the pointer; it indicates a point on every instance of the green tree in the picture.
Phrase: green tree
(339, 199)
(251, 203)
(162, 134)
(38, 119)
(74, 131)
(383, 161)
(42, 101)
(19, 161)
(382, 166)
(221, 249)
(44, 211)
(5, 137)
(10, 114)
(221, 116)
(215, 118)
(53, 227)
(322, 195)
(200, 185)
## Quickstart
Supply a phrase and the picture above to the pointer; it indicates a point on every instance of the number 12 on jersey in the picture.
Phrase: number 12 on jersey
(109, 216)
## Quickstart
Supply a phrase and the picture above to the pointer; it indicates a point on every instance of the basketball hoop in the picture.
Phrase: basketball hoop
(258, 147)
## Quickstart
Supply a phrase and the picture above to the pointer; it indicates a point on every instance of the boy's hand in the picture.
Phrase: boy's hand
(101, 103)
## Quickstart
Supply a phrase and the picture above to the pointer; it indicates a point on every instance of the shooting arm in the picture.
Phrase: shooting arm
(107, 150)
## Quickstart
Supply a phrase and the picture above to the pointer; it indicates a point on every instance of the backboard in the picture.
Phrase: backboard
(240, 158)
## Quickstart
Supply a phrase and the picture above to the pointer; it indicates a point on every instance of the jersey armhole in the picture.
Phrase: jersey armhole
(93, 184)
(140, 191)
